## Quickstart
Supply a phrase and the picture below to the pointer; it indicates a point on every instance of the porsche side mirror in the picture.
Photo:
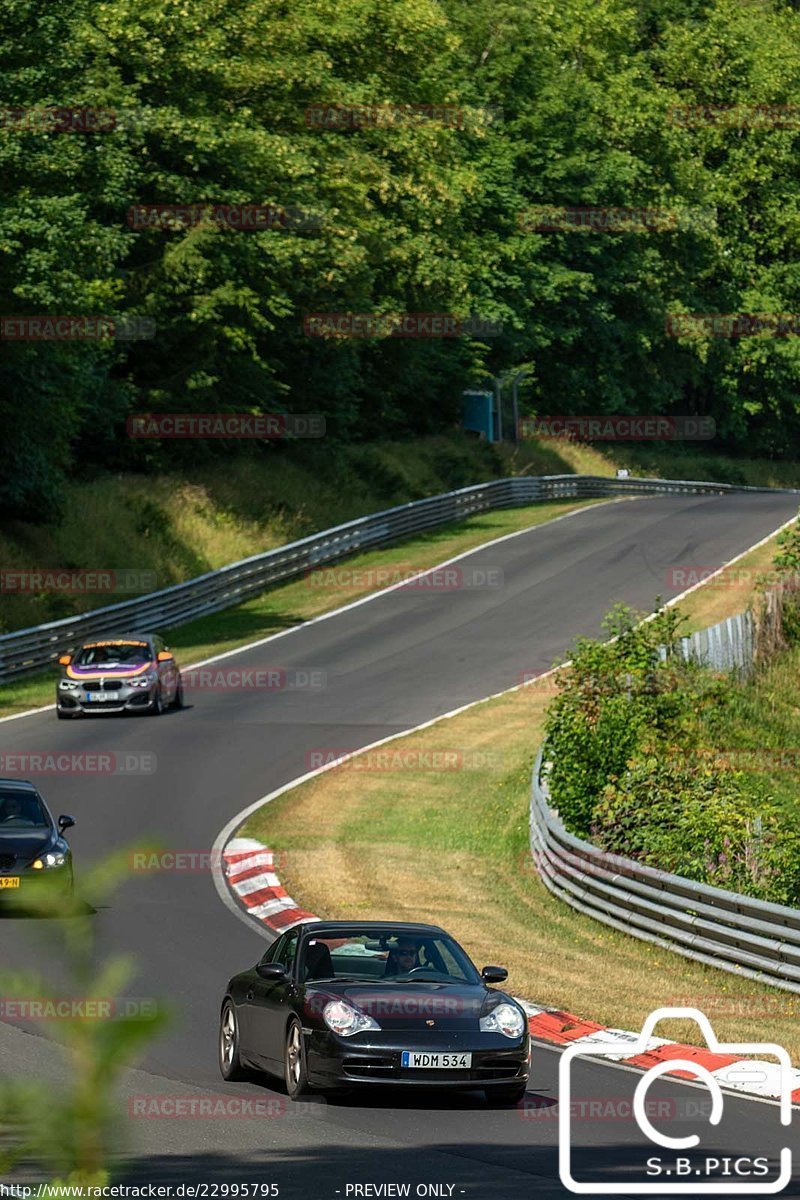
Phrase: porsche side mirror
(494, 974)
(271, 970)
(65, 822)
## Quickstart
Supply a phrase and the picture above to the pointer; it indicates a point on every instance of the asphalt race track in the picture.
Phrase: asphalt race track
(390, 664)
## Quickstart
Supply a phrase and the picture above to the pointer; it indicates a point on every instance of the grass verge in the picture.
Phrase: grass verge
(290, 604)
(451, 846)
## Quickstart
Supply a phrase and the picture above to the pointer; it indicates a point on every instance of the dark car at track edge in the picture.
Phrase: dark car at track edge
(336, 1005)
(35, 857)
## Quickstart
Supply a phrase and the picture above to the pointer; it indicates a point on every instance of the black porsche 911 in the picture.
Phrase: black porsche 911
(341, 1004)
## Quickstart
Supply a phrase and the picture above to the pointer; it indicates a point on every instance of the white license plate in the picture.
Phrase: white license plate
(435, 1062)
(103, 696)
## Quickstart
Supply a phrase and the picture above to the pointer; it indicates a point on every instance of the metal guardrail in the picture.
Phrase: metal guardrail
(747, 937)
(727, 646)
(33, 649)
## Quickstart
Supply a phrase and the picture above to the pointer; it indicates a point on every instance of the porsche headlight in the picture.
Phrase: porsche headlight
(55, 858)
(345, 1020)
(506, 1019)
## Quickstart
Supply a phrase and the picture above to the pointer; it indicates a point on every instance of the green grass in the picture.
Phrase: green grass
(684, 462)
(761, 718)
(289, 604)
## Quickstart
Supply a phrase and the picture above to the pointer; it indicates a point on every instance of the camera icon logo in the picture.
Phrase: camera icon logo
(695, 1176)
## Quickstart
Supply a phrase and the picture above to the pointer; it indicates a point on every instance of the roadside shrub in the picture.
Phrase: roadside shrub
(787, 558)
(611, 695)
(678, 815)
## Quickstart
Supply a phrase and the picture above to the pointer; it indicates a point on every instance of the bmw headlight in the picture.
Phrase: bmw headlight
(506, 1019)
(345, 1020)
(55, 858)
(68, 684)
(143, 681)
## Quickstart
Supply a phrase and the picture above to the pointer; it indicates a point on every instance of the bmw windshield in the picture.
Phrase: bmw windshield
(113, 654)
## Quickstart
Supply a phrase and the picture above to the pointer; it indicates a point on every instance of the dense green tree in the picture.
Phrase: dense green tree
(569, 104)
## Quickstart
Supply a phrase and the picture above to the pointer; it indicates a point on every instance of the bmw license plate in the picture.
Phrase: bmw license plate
(437, 1061)
(9, 881)
(102, 696)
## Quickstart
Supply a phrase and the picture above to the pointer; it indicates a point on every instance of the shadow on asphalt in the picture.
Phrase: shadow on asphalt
(78, 908)
(514, 1169)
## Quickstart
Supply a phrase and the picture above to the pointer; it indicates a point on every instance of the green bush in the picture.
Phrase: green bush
(680, 815)
(787, 558)
(612, 694)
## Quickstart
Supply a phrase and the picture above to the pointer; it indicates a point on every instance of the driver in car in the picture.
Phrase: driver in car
(404, 958)
(12, 809)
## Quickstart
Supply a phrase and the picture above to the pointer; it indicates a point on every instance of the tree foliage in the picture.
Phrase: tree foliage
(566, 104)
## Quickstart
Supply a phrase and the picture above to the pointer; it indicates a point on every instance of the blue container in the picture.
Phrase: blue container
(477, 414)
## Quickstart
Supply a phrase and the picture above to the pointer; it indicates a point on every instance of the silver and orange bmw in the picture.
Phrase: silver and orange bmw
(133, 673)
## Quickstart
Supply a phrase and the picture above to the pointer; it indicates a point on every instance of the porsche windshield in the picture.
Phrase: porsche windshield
(404, 957)
(113, 654)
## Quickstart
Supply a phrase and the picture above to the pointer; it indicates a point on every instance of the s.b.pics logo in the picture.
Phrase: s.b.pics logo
(687, 1151)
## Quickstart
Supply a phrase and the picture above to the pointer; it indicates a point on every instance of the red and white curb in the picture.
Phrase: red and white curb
(250, 875)
(251, 878)
(755, 1077)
